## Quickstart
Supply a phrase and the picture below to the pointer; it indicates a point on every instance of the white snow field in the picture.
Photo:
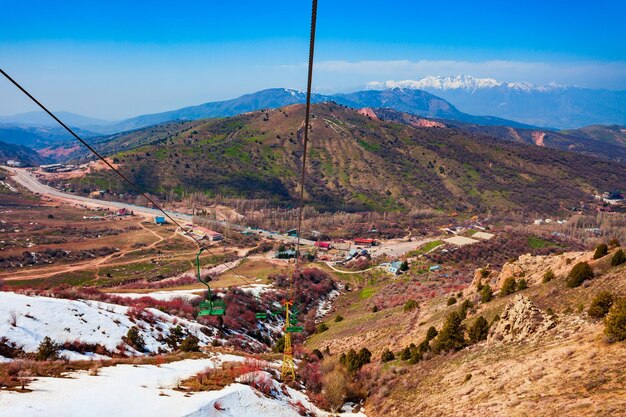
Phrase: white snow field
(147, 390)
(87, 321)
(163, 295)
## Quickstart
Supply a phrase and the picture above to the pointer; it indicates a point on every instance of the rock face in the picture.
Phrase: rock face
(521, 320)
(480, 278)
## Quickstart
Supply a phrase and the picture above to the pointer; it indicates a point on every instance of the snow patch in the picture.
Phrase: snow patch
(90, 322)
(148, 390)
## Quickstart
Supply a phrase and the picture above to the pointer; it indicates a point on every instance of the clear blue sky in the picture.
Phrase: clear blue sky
(114, 59)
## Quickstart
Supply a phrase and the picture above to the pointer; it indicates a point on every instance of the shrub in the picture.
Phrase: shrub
(522, 284)
(451, 336)
(47, 350)
(479, 330)
(579, 274)
(424, 346)
(601, 251)
(416, 356)
(406, 354)
(548, 276)
(404, 266)
(486, 294)
(190, 344)
(431, 333)
(375, 309)
(410, 305)
(615, 321)
(465, 305)
(451, 301)
(135, 339)
(279, 346)
(338, 319)
(618, 258)
(601, 304)
(354, 361)
(387, 356)
(321, 328)
(508, 287)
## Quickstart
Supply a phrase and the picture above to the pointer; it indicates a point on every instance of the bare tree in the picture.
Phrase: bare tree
(13, 316)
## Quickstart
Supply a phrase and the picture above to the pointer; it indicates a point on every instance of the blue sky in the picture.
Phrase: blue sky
(119, 59)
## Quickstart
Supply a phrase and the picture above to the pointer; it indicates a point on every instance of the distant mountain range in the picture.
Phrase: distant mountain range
(417, 102)
(37, 130)
(551, 105)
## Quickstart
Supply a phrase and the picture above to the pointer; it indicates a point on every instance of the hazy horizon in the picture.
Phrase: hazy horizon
(117, 60)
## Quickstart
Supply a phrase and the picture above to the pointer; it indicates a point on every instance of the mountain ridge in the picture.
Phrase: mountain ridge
(559, 106)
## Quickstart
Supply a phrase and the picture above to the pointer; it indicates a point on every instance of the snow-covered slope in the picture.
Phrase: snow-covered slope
(148, 390)
(87, 321)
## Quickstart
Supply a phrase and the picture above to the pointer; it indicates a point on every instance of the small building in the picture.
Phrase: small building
(160, 220)
(351, 254)
(483, 235)
(365, 242)
(613, 197)
(323, 245)
(123, 212)
(214, 236)
(435, 268)
(292, 233)
(51, 167)
(394, 267)
(286, 254)
(14, 163)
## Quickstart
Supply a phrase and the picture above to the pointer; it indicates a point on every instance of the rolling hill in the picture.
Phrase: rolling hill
(599, 141)
(356, 163)
(25, 155)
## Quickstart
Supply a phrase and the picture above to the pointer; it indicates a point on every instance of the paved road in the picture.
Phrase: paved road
(27, 180)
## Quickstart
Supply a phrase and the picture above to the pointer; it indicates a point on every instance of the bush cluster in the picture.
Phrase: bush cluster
(47, 350)
(615, 321)
(601, 251)
(618, 258)
(354, 361)
(486, 294)
(508, 287)
(579, 274)
(479, 330)
(548, 276)
(451, 336)
(387, 356)
(601, 304)
(135, 339)
(410, 305)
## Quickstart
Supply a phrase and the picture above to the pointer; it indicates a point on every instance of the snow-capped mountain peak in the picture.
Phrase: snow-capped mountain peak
(457, 82)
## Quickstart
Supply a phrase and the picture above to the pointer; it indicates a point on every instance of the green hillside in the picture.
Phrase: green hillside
(356, 163)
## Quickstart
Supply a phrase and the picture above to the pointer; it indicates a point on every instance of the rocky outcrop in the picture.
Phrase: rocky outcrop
(521, 320)
(482, 276)
(532, 268)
